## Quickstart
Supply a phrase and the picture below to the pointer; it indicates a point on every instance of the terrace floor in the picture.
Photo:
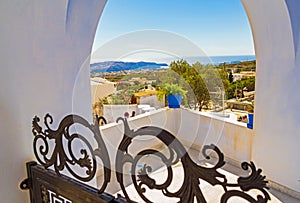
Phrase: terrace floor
(211, 193)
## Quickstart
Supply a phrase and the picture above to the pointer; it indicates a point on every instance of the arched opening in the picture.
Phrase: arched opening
(274, 28)
(220, 30)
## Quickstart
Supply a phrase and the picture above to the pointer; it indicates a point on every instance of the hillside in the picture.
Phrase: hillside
(241, 66)
(115, 66)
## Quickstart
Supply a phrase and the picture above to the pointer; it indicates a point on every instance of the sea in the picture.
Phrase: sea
(221, 59)
(116, 66)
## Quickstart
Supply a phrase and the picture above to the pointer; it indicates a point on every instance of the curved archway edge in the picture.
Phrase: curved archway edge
(275, 29)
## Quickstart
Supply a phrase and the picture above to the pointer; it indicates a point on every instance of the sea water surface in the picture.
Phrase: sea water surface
(115, 66)
(221, 59)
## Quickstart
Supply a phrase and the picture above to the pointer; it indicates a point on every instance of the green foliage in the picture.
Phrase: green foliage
(115, 78)
(154, 84)
(237, 68)
(198, 92)
(174, 89)
(202, 84)
(249, 83)
(231, 91)
(168, 89)
(199, 81)
(104, 100)
(251, 107)
(122, 97)
(230, 77)
(235, 89)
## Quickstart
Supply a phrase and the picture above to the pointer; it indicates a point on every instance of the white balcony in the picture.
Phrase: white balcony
(194, 130)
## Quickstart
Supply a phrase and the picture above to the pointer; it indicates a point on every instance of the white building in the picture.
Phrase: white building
(149, 97)
(101, 88)
(237, 76)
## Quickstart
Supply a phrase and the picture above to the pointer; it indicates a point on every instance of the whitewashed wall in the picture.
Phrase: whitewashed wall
(152, 101)
(113, 134)
(192, 128)
(44, 60)
(276, 31)
(113, 112)
(100, 91)
(195, 130)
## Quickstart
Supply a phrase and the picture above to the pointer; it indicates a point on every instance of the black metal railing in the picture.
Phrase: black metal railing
(55, 148)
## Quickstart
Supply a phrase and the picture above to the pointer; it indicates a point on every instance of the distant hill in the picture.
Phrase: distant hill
(114, 66)
(240, 66)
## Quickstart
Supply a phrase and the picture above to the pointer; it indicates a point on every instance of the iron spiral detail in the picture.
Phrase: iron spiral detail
(194, 173)
(55, 147)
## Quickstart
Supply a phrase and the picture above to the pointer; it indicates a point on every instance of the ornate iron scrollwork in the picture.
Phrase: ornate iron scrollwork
(64, 155)
(100, 119)
(55, 148)
(193, 173)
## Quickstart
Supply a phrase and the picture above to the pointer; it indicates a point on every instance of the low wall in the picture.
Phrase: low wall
(152, 101)
(113, 133)
(193, 129)
(112, 112)
(98, 91)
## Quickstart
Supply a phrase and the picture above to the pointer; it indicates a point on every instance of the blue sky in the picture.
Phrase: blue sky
(218, 27)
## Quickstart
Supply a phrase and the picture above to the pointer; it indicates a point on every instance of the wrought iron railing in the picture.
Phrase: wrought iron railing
(63, 156)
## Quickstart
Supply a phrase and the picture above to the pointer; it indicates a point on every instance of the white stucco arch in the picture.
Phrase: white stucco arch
(42, 45)
(275, 28)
